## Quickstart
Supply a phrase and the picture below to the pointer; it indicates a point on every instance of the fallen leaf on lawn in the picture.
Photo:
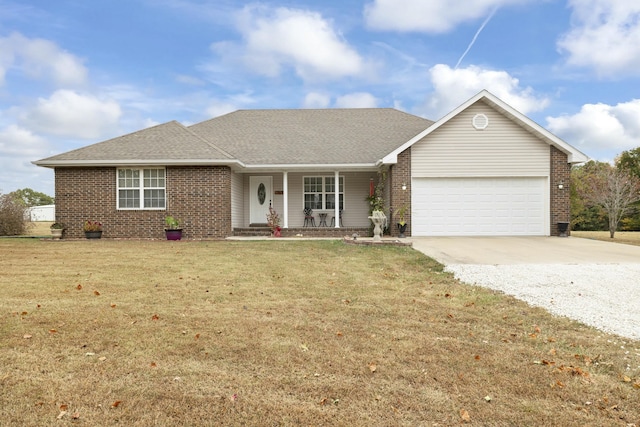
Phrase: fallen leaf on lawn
(339, 333)
(464, 415)
(64, 407)
(27, 336)
(52, 331)
(155, 317)
(113, 306)
(303, 347)
(626, 379)
(233, 397)
(552, 352)
(372, 367)
(61, 414)
(24, 313)
(487, 398)
(116, 403)
(537, 329)
(102, 359)
(153, 364)
(79, 287)
(477, 357)
(75, 415)
(197, 336)
(636, 384)
(96, 293)
(323, 402)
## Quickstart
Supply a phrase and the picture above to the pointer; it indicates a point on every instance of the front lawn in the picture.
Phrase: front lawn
(143, 333)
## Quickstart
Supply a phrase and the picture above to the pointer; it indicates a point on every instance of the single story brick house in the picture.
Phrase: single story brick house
(483, 169)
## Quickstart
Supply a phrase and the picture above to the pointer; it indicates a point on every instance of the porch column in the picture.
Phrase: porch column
(336, 212)
(285, 199)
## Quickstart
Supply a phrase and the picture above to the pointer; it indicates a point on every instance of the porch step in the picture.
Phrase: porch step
(305, 231)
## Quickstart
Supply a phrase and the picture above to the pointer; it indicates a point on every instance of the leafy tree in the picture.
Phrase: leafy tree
(585, 216)
(630, 161)
(612, 188)
(11, 216)
(29, 197)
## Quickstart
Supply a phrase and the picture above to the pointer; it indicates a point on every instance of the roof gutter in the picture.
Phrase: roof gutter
(137, 162)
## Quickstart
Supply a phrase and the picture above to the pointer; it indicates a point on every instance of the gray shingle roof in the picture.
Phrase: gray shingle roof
(330, 136)
(261, 137)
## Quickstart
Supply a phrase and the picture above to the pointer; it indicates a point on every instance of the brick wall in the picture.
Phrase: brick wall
(560, 198)
(399, 174)
(199, 196)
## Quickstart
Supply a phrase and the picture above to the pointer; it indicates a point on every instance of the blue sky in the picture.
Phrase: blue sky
(77, 72)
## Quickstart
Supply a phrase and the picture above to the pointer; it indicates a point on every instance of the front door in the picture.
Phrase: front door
(261, 195)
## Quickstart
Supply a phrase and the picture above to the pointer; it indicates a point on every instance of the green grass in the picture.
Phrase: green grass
(145, 333)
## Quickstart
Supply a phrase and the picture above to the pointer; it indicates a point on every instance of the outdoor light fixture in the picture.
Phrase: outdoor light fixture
(404, 186)
(560, 186)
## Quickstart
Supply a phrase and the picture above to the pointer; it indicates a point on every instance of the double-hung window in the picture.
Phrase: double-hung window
(320, 192)
(141, 188)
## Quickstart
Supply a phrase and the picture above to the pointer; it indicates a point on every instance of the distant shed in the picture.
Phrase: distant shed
(41, 213)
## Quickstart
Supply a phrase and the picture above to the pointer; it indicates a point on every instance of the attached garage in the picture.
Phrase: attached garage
(504, 206)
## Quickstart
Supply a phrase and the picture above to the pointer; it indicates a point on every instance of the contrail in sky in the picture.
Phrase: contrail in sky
(486, 21)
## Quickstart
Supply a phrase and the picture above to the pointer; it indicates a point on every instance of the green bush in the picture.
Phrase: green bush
(12, 214)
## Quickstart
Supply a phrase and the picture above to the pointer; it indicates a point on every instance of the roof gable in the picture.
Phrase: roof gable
(573, 154)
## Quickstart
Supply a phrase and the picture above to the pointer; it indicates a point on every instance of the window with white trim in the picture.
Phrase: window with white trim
(320, 192)
(141, 188)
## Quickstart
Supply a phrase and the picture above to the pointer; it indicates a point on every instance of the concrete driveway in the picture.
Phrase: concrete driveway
(524, 250)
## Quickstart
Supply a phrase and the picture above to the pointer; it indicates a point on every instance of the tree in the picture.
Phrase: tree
(29, 197)
(630, 161)
(615, 189)
(11, 216)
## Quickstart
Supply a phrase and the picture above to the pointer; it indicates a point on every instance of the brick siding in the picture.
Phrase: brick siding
(560, 198)
(399, 174)
(199, 196)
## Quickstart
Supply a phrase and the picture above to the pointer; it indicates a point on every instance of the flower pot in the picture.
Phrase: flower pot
(402, 228)
(56, 233)
(173, 234)
(277, 232)
(93, 234)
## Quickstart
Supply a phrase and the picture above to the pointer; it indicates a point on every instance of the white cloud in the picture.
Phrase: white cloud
(431, 16)
(316, 100)
(18, 142)
(70, 114)
(357, 100)
(452, 87)
(605, 36)
(40, 59)
(220, 109)
(600, 128)
(274, 39)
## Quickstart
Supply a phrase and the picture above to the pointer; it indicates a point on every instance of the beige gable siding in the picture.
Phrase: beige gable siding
(457, 149)
(237, 212)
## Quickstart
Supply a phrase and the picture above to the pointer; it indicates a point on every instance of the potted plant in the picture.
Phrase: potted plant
(56, 230)
(173, 231)
(402, 224)
(92, 229)
(273, 221)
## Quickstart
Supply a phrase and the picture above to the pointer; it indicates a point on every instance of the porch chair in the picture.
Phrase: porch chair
(333, 219)
(308, 217)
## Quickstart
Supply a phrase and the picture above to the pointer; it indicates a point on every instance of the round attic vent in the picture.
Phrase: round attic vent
(480, 121)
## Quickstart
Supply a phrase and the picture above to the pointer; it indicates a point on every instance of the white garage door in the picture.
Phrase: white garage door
(479, 207)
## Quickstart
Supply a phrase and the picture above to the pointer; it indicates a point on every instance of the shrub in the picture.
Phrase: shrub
(11, 216)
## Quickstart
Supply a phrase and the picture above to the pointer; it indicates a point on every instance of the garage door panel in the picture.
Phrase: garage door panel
(478, 206)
